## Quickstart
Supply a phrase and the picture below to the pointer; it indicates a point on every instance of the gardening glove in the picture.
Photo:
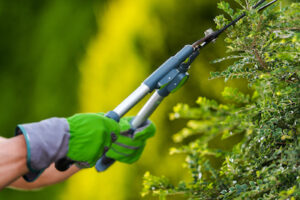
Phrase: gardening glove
(129, 145)
(81, 138)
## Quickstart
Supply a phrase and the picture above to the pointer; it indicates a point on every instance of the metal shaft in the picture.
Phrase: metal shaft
(132, 100)
(147, 110)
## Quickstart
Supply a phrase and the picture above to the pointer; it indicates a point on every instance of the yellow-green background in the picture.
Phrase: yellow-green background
(60, 57)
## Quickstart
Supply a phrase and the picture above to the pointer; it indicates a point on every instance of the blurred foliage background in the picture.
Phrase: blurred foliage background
(58, 58)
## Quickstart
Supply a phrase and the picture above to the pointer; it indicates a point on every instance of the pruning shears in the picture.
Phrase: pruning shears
(166, 79)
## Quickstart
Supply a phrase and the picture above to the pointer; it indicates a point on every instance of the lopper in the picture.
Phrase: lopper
(168, 78)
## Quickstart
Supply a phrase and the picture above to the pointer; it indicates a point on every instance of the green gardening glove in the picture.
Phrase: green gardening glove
(90, 136)
(128, 148)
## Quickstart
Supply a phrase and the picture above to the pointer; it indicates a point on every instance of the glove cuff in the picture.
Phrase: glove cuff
(46, 142)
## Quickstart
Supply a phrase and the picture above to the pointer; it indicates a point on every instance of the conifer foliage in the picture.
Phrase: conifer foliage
(263, 162)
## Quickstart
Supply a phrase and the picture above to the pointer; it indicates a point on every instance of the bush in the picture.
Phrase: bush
(262, 128)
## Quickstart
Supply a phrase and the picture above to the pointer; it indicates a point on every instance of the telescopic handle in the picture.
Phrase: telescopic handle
(147, 86)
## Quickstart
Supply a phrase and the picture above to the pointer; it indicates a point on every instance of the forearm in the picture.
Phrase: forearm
(13, 160)
(50, 176)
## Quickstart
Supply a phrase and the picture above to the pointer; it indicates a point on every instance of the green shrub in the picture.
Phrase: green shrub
(262, 128)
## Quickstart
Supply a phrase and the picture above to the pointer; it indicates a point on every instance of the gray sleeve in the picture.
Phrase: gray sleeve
(46, 142)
